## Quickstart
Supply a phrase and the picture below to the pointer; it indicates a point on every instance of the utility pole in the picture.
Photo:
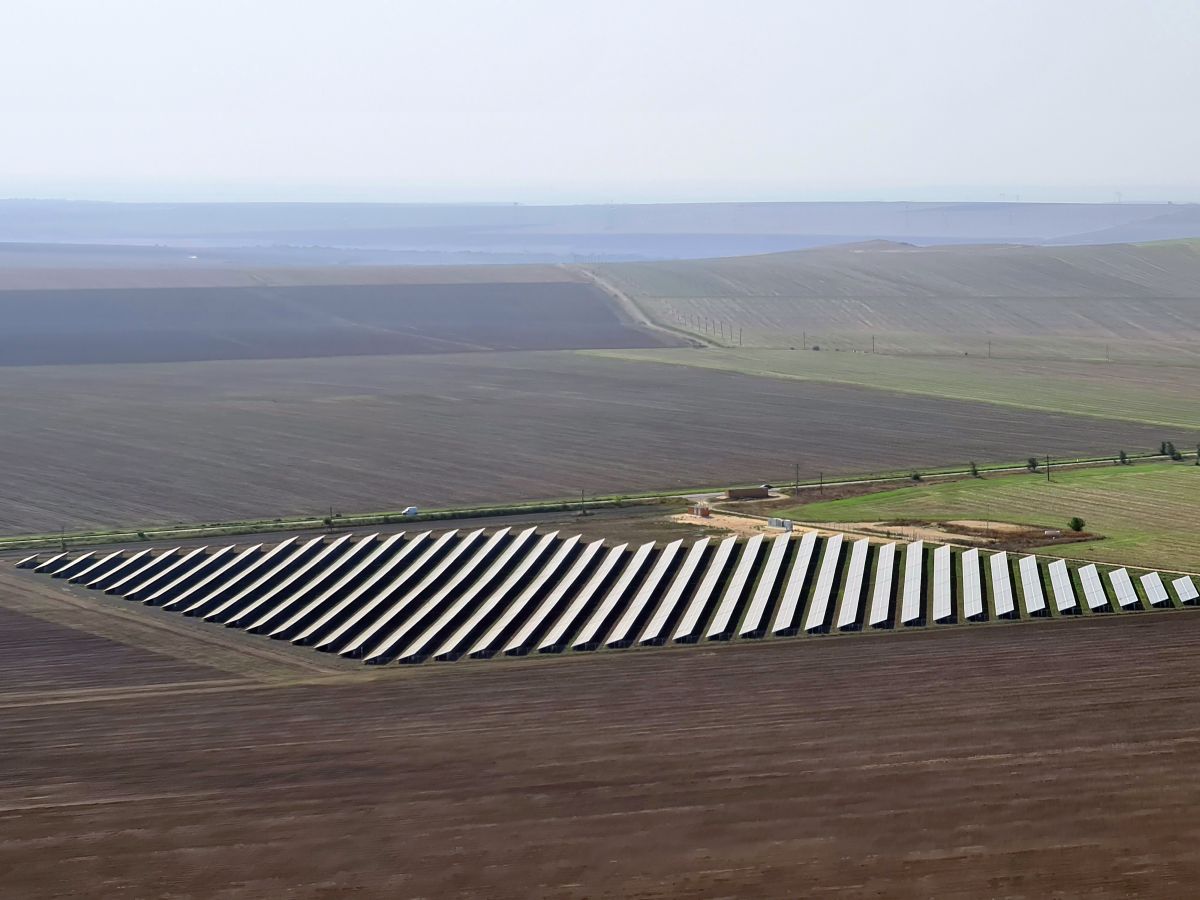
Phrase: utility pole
(796, 483)
(872, 343)
(739, 335)
(582, 503)
(1047, 466)
(821, 481)
(989, 349)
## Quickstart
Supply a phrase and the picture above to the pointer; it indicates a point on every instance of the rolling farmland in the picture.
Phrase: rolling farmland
(163, 325)
(1148, 514)
(746, 772)
(104, 445)
(1138, 301)
(1158, 394)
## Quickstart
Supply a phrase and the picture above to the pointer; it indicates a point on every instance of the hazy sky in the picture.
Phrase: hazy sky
(600, 100)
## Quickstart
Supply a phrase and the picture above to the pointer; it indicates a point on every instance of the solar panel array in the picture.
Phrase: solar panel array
(414, 597)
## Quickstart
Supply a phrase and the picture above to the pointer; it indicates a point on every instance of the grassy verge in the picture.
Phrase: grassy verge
(188, 531)
(1147, 513)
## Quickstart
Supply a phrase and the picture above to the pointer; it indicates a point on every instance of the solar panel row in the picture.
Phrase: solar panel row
(942, 608)
(410, 597)
(914, 564)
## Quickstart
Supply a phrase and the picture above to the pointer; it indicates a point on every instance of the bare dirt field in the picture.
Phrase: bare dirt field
(165, 325)
(177, 275)
(1028, 761)
(108, 445)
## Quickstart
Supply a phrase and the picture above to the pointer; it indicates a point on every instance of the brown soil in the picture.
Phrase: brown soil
(1028, 761)
(185, 442)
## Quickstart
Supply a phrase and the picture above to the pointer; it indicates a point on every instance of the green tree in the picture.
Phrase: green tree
(974, 469)
(1123, 459)
(1076, 523)
(1031, 464)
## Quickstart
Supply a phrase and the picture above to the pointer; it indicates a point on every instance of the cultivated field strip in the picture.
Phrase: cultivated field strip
(412, 597)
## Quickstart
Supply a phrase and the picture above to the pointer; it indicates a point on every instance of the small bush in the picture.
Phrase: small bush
(1031, 464)
(916, 476)
(974, 469)
(1076, 524)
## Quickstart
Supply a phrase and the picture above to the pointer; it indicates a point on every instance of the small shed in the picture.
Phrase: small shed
(762, 492)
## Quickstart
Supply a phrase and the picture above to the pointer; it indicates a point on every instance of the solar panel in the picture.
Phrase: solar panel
(187, 562)
(785, 616)
(766, 584)
(818, 608)
(432, 580)
(1093, 590)
(852, 593)
(1002, 595)
(277, 586)
(972, 584)
(491, 602)
(1060, 585)
(71, 567)
(467, 574)
(149, 567)
(49, 565)
(653, 631)
(265, 579)
(346, 565)
(520, 641)
(881, 594)
(557, 633)
(402, 566)
(1156, 591)
(241, 576)
(1185, 589)
(1031, 585)
(689, 625)
(1123, 586)
(942, 606)
(91, 566)
(621, 631)
(737, 586)
(505, 619)
(625, 581)
(914, 564)
(216, 564)
(217, 578)
(27, 563)
(106, 578)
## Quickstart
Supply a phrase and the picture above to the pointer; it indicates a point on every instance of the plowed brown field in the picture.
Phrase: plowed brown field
(119, 445)
(1034, 760)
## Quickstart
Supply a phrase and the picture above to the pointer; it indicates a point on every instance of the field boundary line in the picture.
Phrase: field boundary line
(627, 305)
(177, 637)
(892, 389)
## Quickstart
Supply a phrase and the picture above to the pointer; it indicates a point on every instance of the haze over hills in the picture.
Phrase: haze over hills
(54, 234)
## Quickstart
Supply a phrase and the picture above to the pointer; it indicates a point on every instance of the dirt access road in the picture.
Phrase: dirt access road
(1031, 761)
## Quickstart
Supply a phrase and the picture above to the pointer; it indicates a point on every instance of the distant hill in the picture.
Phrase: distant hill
(931, 299)
(60, 233)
